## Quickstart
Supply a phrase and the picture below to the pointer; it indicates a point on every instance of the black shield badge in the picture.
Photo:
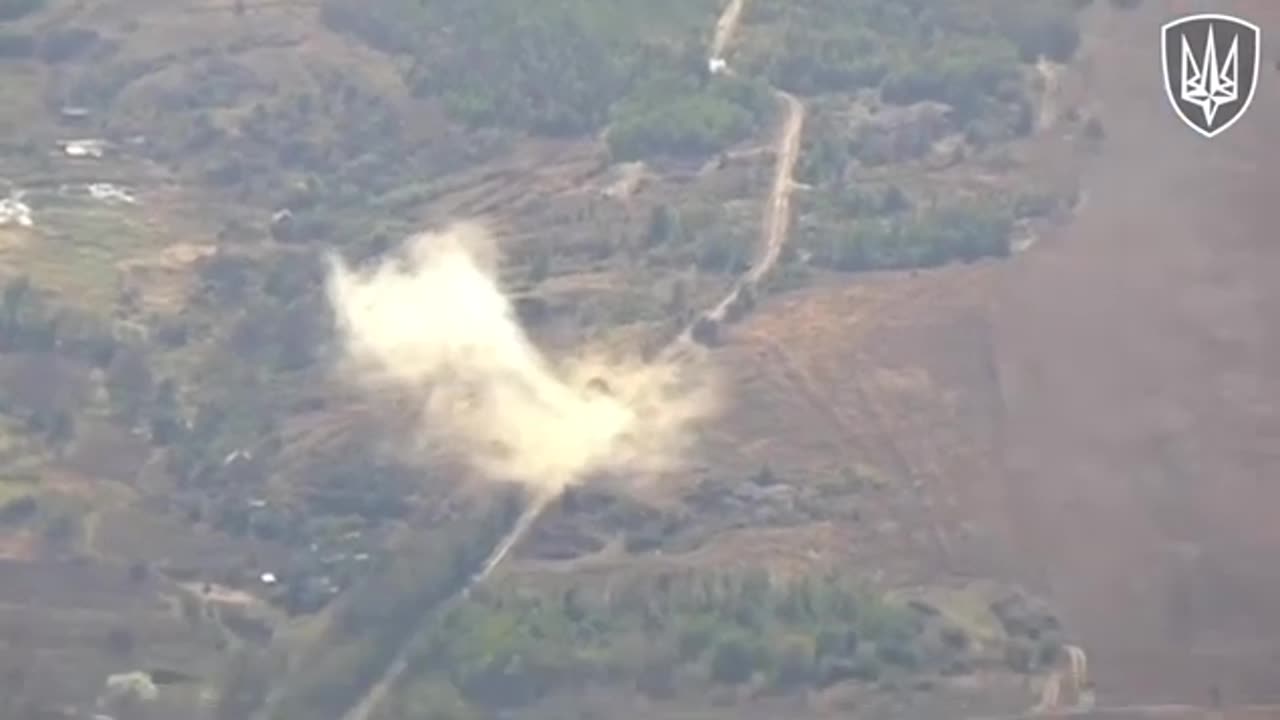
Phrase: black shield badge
(1210, 69)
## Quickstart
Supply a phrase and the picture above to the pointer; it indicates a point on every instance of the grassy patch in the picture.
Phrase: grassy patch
(76, 254)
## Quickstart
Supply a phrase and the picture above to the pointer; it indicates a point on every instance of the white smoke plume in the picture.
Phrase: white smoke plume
(434, 326)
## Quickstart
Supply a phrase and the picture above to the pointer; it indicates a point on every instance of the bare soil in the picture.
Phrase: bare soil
(1137, 356)
(1097, 418)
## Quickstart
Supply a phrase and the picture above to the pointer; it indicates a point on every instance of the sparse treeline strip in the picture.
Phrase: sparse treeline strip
(509, 646)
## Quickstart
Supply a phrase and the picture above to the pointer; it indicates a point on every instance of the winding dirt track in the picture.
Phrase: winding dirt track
(777, 217)
(775, 225)
(776, 221)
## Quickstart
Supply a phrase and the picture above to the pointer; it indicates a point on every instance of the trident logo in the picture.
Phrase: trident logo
(1207, 84)
(1211, 70)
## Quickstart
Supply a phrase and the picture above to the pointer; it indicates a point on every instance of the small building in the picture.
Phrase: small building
(717, 65)
(74, 113)
(89, 148)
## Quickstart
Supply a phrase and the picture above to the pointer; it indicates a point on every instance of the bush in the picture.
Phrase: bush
(840, 58)
(794, 663)
(965, 74)
(899, 652)
(1042, 30)
(938, 235)
(734, 660)
(681, 117)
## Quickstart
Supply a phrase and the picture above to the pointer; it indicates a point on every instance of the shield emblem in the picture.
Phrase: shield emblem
(1211, 66)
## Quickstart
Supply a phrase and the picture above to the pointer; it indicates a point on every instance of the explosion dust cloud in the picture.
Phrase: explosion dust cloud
(434, 326)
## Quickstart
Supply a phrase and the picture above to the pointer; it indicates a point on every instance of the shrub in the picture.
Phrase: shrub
(928, 238)
(680, 116)
(734, 660)
(965, 74)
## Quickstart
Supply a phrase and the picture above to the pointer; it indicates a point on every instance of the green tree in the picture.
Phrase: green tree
(734, 659)
(663, 225)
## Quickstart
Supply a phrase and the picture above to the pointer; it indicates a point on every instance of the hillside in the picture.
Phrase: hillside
(868, 221)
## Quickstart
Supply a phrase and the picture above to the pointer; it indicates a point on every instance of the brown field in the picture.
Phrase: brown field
(1098, 418)
(1138, 371)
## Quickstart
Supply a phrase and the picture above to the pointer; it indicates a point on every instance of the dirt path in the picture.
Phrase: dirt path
(777, 217)
(726, 26)
(776, 221)
(775, 226)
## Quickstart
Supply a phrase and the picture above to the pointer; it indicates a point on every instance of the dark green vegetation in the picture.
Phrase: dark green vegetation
(963, 53)
(187, 428)
(567, 68)
(728, 631)
(686, 116)
(901, 84)
(877, 232)
(668, 638)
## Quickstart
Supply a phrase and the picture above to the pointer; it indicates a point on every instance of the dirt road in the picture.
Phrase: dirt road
(776, 222)
(779, 210)
(726, 25)
(777, 215)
